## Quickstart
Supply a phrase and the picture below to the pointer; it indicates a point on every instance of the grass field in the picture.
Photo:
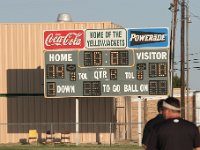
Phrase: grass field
(69, 147)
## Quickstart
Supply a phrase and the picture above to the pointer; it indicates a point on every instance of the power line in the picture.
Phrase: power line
(191, 54)
(195, 16)
(192, 14)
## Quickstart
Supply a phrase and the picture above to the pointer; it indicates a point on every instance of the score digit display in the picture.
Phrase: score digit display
(157, 69)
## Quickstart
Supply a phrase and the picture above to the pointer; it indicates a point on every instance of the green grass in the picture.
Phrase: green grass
(69, 147)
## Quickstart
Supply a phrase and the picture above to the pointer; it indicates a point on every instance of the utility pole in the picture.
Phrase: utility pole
(188, 21)
(174, 9)
(183, 59)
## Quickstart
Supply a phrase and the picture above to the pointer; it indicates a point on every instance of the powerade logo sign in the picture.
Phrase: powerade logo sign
(149, 37)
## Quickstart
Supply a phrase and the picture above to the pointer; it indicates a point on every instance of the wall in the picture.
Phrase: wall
(22, 105)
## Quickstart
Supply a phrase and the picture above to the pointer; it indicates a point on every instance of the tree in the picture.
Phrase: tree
(176, 81)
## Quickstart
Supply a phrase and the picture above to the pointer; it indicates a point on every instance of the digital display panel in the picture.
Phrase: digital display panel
(157, 69)
(119, 58)
(113, 74)
(158, 87)
(55, 71)
(92, 58)
(91, 88)
(51, 89)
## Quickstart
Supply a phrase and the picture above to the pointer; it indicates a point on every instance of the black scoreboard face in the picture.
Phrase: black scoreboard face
(106, 72)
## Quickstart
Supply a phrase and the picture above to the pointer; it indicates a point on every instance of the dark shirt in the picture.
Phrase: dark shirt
(174, 134)
(149, 126)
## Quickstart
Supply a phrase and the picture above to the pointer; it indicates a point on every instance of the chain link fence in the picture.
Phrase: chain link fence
(128, 128)
(99, 133)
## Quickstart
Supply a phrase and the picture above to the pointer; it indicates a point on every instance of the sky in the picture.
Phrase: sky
(127, 13)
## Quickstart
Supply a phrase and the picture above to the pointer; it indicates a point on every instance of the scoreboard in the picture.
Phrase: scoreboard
(106, 72)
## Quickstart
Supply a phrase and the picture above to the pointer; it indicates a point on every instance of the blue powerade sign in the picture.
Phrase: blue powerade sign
(148, 38)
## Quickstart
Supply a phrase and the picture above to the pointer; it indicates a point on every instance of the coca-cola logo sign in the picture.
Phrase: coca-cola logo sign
(65, 39)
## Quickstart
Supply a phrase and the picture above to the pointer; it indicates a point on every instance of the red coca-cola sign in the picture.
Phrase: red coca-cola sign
(65, 39)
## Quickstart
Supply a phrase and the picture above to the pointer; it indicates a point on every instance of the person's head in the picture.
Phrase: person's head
(171, 108)
(160, 106)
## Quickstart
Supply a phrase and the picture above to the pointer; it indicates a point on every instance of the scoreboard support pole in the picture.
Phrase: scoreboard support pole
(139, 120)
(77, 122)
